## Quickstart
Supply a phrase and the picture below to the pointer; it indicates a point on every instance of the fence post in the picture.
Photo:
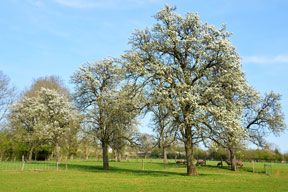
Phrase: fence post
(253, 167)
(23, 162)
(143, 164)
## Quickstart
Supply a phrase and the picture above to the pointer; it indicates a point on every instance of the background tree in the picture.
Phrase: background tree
(49, 82)
(191, 66)
(24, 121)
(86, 141)
(6, 143)
(71, 141)
(7, 95)
(95, 85)
(146, 143)
(110, 104)
(56, 114)
(128, 104)
(164, 128)
(43, 118)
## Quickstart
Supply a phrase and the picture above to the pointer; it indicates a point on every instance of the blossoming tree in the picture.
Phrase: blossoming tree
(193, 67)
(46, 117)
(110, 106)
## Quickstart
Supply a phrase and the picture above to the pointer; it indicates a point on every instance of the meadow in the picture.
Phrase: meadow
(87, 175)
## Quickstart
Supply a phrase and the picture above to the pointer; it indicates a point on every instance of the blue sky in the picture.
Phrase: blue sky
(54, 37)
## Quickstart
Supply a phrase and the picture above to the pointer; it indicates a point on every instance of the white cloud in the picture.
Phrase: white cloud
(103, 3)
(266, 60)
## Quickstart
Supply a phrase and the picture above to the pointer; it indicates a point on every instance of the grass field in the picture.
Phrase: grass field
(128, 176)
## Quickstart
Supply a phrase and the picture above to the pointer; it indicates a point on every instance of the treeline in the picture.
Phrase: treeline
(184, 72)
(259, 155)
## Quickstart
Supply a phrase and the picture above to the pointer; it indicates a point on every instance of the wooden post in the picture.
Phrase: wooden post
(23, 162)
(253, 167)
(143, 164)
(66, 166)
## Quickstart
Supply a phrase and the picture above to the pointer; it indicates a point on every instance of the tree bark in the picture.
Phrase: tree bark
(35, 156)
(105, 155)
(87, 153)
(31, 153)
(233, 160)
(96, 152)
(118, 156)
(165, 161)
(57, 152)
(191, 168)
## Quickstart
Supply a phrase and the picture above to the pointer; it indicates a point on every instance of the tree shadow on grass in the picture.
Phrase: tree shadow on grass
(139, 172)
(241, 169)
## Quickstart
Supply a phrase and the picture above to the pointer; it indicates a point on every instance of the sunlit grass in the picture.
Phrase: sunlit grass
(128, 176)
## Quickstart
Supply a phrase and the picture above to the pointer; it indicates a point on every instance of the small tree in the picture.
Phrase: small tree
(95, 85)
(146, 143)
(56, 114)
(164, 128)
(25, 122)
(43, 118)
(110, 104)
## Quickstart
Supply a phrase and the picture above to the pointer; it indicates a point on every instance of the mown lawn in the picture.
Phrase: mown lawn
(127, 176)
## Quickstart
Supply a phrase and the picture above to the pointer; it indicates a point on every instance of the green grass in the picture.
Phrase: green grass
(127, 176)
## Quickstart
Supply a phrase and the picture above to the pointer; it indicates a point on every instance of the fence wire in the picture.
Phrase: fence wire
(17, 165)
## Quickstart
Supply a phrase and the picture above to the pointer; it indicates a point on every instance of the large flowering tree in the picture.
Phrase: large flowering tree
(194, 68)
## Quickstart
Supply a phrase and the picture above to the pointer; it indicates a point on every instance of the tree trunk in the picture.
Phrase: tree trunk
(52, 155)
(57, 152)
(165, 161)
(96, 153)
(35, 157)
(233, 160)
(191, 168)
(118, 156)
(105, 155)
(87, 153)
(31, 153)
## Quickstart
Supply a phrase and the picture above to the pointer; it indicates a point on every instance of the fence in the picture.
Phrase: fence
(22, 165)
